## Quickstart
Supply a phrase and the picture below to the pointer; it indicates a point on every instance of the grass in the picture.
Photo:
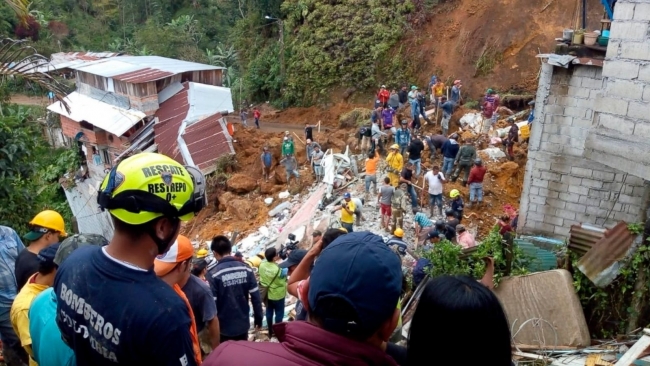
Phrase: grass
(488, 58)
(355, 118)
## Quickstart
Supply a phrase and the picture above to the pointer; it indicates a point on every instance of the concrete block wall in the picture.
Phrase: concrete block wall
(621, 134)
(561, 186)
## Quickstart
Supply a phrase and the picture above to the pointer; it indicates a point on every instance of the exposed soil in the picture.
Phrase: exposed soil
(458, 32)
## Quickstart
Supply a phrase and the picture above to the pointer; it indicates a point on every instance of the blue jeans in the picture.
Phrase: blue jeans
(415, 109)
(347, 227)
(370, 179)
(257, 122)
(476, 190)
(435, 200)
(447, 166)
(14, 353)
(414, 196)
(292, 172)
(417, 163)
(274, 307)
(318, 170)
(402, 149)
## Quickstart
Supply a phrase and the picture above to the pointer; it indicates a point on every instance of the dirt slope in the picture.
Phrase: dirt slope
(460, 31)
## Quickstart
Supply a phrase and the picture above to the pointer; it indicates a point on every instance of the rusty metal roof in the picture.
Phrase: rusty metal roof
(583, 237)
(602, 263)
(139, 69)
(204, 138)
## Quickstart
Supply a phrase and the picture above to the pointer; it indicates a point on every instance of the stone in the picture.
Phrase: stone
(241, 183)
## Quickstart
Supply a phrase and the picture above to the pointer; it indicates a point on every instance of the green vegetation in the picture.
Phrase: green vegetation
(446, 258)
(30, 169)
(305, 49)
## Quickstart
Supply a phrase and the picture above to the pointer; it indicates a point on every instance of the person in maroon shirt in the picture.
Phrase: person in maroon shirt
(475, 182)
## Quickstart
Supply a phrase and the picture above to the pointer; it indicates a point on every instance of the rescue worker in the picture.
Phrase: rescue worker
(395, 163)
(513, 136)
(347, 209)
(397, 242)
(464, 160)
(457, 204)
(399, 205)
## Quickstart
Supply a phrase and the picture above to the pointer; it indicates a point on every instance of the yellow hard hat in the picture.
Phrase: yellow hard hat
(454, 193)
(148, 185)
(394, 146)
(51, 220)
(399, 232)
(254, 261)
(202, 253)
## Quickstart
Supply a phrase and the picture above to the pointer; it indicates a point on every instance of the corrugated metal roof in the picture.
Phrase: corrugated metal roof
(141, 68)
(583, 237)
(602, 263)
(204, 134)
(103, 115)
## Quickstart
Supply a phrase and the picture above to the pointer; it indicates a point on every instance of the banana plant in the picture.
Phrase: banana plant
(21, 8)
(17, 59)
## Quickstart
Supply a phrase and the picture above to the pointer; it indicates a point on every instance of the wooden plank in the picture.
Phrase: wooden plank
(633, 353)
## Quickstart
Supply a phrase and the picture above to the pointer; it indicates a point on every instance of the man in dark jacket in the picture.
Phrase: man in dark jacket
(415, 154)
(232, 283)
(403, 96)
(449, 151)
(513, 136)
(435, 142)
(351, 298)
(464, 160)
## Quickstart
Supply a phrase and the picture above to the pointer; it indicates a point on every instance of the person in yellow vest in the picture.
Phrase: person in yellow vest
(395, 163)
(347, 209)
(36, 284)
(274, 280)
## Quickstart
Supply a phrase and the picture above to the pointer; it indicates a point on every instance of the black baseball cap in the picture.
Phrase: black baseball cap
(295, 257)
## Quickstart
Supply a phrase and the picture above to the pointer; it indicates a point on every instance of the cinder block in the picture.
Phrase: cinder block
(575, 112)
(583, 122)
(619, 177)
(535, 216)
(641, 11)
(642, 129)
(531, 206)
(570, 180)
(638, 110)
(589, 201)
(573, 150)
(575, 80)
(623, 11)
(646, 94)
(561, 168)
(624, 198)
(541, 183)
(544, 227)
(555, 203)
(587, 104)
(550, 147)
(565, 101)
(592, 83)
(633, 179)
(596, 211)
(562, 230)
(592, 183)
(624, 216)
(634, 210)
(603, 176)
(569, 197)
(554, 109)
(578, 92)
(542, 165)
(579, 190)
(581, 172)
(550, 176)
(639, 191)
(554, 220)
(610, 205)
(624, 89)
(533, 191)
(633, 31)
(644, 73)
(562, 120)
(586, 71)
(616, 123)
(620, 69)
(537, 200)
(551, 128)
(613, 48)
(546, 209)
(611, 105)
(559, 139)
(576, 207)
(566, 214)
(559, 187)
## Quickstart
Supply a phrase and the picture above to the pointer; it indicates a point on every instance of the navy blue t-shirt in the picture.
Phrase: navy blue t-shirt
(110, 314)
(199, 295)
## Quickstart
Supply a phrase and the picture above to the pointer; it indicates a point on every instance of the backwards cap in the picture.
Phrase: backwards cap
(179, 252)
(361, 270)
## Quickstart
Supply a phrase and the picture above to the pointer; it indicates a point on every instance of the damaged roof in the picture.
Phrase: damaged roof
(106, 116)
(140, 69)
(191, 129)
(602, 263)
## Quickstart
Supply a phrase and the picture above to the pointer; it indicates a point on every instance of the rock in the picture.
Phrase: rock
(243, 209)
(268, 201)
(223, 199)
(283, 195)
(241, 183)
(266, 188)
